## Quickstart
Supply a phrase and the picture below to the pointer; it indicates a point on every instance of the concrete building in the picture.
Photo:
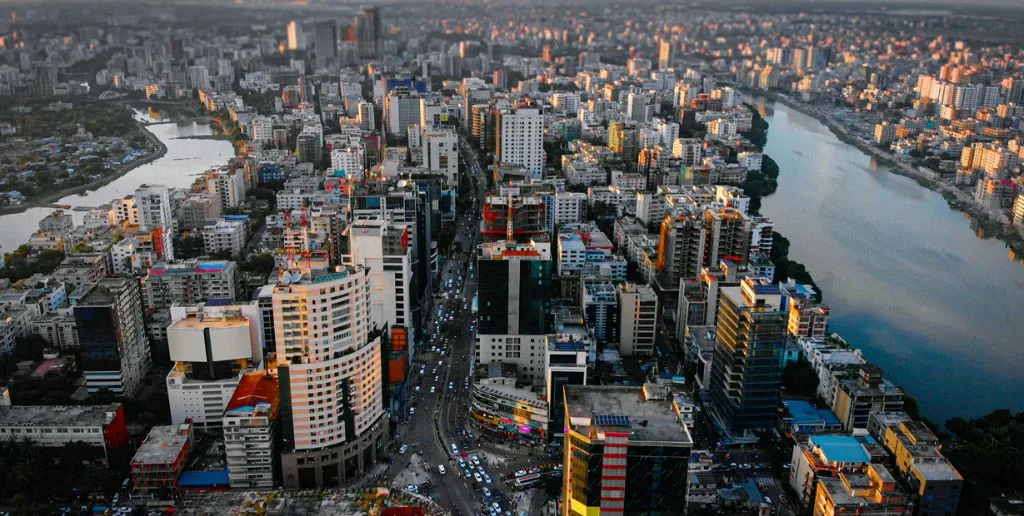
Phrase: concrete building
(162, 457)
(920, 464)
(211, 350)
(190, 282)
(224, 236)
(870, 490)
(514, 305)
(600, 303)
(226, 185)
(383, 248)
(252, 432)
(565, 364)
(403, 110)
(638, 319)
(569, 208)
(154, 207)
(112, 343)
(441, 154)
(196, 209)
(508, 413)
(858, 398)
(520, 139)
(750, 339)
(625, 451)
(332, 431)
(824, 456)
(100, 426)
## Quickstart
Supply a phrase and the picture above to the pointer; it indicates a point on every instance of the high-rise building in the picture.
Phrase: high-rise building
(625, 451)
(750, 340)
(664, 54)
(366, 117)
(325, 41)
(113, 349)
(403, 109)
(211, 347)
(226, 185)
(296, 38)
(566, 364)
(330, 374)
(623, 140)
(383, 248)
(638, 319)
(513, 305)
(154, 207)
(639, 107)
(368, 32)
(520, 139)
(441, 154)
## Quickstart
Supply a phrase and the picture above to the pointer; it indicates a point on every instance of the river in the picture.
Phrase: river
(909, 280)
(184, 159)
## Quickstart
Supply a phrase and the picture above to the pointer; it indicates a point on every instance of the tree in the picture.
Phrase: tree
(29, 347)
(799, 379)
(188, 247)
(260, 264)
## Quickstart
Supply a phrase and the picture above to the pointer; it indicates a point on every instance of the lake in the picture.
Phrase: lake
(184, 159)
(910, 281)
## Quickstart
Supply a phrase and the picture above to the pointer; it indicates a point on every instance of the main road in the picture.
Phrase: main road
(443, 363)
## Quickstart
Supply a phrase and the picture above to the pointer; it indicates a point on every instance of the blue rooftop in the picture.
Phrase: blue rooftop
(841, 448)
(804, 413)
(204, 478)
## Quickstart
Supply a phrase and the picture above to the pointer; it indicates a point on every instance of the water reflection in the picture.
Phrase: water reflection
(926, 293)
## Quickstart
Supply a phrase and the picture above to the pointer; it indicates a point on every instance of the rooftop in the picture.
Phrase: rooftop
(37, 415)
(163, 444)
(595, 410)
(804, 413)
(840, 448)
(257, 393)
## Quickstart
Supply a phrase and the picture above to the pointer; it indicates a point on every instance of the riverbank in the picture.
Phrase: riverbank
(49, 199)
(991, 223)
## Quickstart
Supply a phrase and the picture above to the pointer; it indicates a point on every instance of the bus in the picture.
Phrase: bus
(526, 481)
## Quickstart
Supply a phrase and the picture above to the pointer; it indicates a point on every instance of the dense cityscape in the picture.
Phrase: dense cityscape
(511, 258)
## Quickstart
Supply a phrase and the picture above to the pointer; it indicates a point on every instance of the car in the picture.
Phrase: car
(433, 390)
(744, 466)
(534, 470)
(440, 469)
(412, 410)
(417, 388)
(451, 385)
(437, 378)
(487, 478)
(403, 449)
(455, 448)
(476, 461)
(476, 476)
(496, 507)
(520, 473)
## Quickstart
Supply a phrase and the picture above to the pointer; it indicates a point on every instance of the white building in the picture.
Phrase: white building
(521, 139)
(441, 154)
(350, 159)
(638, 319)
(566, 101)
(211, 350)
(668, 131)
(332, 372)
(403, 108)
(98, 426)
(751, 160)
(382, 247)
(570, 208)
(226, 185)
(251, 425)
(154, 207)
(222, 235)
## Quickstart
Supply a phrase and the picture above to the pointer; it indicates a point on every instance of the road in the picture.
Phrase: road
(442, 367)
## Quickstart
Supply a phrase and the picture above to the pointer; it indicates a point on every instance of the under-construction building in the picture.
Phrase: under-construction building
(529, 218)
